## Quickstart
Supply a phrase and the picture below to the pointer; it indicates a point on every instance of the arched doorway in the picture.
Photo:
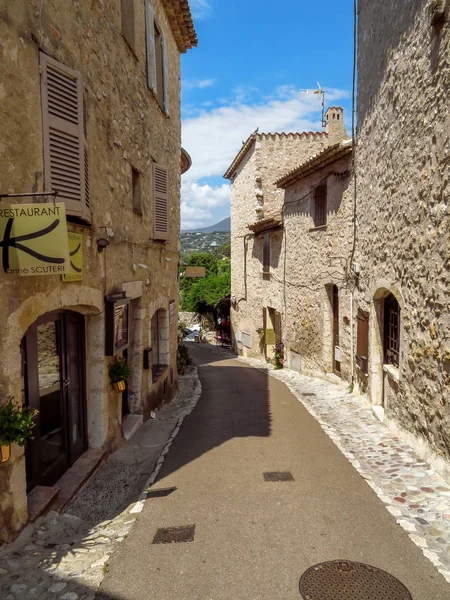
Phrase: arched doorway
(53, 351)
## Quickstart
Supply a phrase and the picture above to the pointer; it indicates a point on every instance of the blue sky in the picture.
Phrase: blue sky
(253, 60)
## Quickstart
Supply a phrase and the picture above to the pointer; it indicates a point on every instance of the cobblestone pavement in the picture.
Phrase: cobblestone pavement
(66, 556)
(412, 491)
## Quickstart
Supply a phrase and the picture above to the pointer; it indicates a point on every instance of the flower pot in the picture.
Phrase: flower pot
(5, 453)
(118, 386)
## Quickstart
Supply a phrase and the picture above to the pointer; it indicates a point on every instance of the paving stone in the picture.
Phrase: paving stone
(58, 587)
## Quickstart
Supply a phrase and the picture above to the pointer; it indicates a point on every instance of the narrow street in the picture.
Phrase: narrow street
(254, 538)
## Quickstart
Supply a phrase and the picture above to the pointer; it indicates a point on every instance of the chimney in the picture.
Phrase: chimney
(335, 125)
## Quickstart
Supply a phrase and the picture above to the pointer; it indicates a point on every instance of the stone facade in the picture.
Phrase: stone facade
(126, 128)
(403, 211)
(305, 262)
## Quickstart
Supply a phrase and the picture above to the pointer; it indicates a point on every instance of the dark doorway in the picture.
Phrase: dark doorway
(336, 346)
(54, 368)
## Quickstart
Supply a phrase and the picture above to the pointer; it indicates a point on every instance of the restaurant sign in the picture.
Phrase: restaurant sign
(76, 258)
(196, 272)
(33, 239)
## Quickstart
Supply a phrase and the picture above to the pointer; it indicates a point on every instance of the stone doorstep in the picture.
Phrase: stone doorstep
(39, 499)
(130, 425)
(76, 476)
(58, 496)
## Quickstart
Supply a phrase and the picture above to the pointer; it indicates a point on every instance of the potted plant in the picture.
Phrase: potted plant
(279, 355)
(16, 425)
(119, 371)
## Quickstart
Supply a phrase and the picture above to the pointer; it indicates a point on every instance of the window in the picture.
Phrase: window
(391, 331)
(320, 206)
(64, 131)
(266, 254)
(362, 341)
(128, 23)
(136, 185)
(160, 203)
(157, 63)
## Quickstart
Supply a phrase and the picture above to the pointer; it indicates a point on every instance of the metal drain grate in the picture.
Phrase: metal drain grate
(161, 493)
(174, 535)
(346, 579)
(278, 476)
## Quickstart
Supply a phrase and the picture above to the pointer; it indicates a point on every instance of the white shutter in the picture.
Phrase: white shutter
(165, 62)
(160, 203)
(151, 52)
(65, 154)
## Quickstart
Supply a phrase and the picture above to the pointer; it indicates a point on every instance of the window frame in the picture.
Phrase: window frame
(136, 190)
(128, 23)
(320, 211)
(391, 337)
(157, 59)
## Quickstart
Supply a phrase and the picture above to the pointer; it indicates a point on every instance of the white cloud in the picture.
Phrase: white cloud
(191, 84)
(213, 137)
(199, 203)
(200, 8)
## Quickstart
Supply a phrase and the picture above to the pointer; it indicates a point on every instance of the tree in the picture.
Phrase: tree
(205, 294)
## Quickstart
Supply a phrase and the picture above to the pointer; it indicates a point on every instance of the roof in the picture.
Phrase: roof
(263, 136)
(186, 161)
(181, 23)
(271, 222)
(318, 161)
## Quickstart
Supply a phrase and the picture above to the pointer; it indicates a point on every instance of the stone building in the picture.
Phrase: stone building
(403, 214)
(90, 107)
(286, 258)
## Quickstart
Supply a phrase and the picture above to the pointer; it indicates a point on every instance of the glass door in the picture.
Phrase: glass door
(54, 365)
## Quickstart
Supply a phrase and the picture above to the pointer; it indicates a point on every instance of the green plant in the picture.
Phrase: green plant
(279, 355)
(350, 388)
(260, 331)
(16, 423)
(183, 358)
(118, 370)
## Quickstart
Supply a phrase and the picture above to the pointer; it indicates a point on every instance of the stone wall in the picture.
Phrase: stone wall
(403, 209)
(270, 157)
(125, 128)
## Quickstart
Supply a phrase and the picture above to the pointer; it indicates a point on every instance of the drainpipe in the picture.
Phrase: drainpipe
(352, 353)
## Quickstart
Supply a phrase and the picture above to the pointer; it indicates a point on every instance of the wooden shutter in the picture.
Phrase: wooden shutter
(165, 74)
(266, 253)
(362, 341)
(65, 150)
(278, 327)
(151, 51)
(160, 202)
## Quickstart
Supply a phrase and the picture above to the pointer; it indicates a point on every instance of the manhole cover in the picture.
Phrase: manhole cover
(342, 579)
(278, 476)
(171, 535)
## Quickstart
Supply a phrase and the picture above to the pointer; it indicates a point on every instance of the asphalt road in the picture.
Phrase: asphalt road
(254, 538)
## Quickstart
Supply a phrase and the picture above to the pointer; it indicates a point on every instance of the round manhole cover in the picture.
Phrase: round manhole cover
(346, 580)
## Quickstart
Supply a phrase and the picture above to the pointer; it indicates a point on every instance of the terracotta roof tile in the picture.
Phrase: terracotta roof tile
(318, 161)
(181, 22)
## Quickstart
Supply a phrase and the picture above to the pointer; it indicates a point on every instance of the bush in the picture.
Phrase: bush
(183, 359)
(16, 424)
(119, 370)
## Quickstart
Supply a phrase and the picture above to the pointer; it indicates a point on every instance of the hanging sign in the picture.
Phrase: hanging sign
(76, 257)
(196, 272)
(33, 239)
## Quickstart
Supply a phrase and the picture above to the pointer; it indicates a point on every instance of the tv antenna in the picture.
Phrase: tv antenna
(318, 92)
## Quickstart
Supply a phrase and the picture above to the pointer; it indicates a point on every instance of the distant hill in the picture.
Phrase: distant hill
(224, 225)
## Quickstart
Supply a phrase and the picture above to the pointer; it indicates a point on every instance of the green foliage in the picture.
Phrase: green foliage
(205, 294)
(118, 370)
(199, 259)
(278, 355)
(183, 358)
(224, 250)
(16, 423)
